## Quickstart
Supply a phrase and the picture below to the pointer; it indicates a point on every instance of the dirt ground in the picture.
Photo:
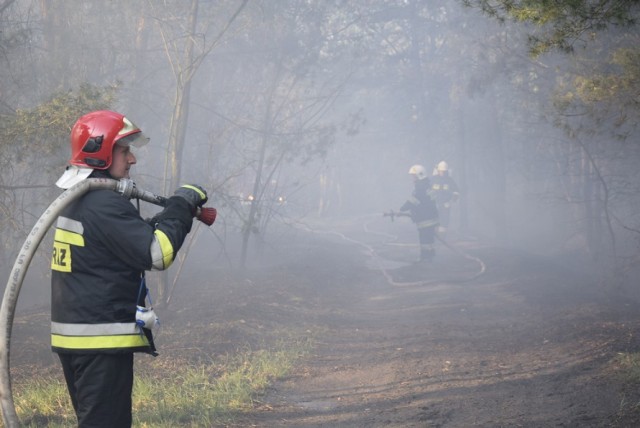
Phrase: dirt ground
(485, 336)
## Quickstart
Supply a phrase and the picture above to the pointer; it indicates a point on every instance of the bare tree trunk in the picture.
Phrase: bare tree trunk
(179, 118)
(55, 44)
(461, 179)
(499, 175)
(324, 201)
(596, 208)
(178, 130)
(267, 125)
(180, 115)
(590, 214)
(253, 211)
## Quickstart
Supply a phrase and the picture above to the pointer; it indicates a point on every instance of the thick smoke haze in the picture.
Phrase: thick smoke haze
(310, 302)
(322, 107)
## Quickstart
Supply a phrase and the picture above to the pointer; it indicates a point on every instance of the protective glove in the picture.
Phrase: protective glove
(195, 195)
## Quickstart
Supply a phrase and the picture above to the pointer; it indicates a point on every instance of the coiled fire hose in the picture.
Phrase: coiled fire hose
(7, 311)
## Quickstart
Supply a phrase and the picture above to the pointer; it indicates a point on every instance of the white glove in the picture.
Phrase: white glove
(146, 317)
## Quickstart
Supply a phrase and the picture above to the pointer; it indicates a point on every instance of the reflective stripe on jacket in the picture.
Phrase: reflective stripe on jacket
(101, 247)
(421, 205)
(444, 188)
(98, 337)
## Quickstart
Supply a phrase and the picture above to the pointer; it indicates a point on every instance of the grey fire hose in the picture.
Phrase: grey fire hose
(7, 311)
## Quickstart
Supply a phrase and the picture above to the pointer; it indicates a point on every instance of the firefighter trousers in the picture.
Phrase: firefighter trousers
(427, 238)
(100, 387)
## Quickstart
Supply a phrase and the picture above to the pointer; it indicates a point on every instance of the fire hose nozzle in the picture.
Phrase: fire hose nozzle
(207, 215)
(128, 189)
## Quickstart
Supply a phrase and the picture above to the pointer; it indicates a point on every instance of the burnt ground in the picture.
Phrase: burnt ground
(485, 336)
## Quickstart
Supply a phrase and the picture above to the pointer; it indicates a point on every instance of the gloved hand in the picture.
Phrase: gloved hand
(194, 194)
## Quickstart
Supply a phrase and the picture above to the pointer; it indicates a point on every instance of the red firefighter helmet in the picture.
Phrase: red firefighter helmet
(95, 133)
(92, 139)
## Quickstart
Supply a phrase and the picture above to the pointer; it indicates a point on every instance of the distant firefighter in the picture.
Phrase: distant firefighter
(446, 192)
(423, 211)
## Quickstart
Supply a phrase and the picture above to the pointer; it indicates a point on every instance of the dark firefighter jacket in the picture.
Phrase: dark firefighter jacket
(444, 188)
(101, 248)
(421, 205)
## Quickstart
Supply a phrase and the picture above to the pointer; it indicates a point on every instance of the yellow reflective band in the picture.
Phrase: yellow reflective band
(426, 223)
(99, 342)
(195, 189)
(69, 237)
(165, 247)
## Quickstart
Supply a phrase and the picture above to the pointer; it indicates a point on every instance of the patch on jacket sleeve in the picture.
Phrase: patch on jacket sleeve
(69, 233)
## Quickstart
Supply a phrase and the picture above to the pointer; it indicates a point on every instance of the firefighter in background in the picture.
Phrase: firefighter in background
(446, 192)
(423, 211)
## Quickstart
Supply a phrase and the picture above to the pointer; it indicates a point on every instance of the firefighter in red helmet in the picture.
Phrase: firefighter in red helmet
(102, 247)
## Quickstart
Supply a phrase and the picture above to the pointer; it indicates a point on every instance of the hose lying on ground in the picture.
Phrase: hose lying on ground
(481, 270)
(478, 273)
(371, 252)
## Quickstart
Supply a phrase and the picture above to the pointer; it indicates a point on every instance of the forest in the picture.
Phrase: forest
(295, 112)
(327, 104)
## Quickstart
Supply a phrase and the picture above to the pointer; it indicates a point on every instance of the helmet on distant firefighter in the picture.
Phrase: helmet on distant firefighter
(92, 139)
(443, 166)
(418, 171)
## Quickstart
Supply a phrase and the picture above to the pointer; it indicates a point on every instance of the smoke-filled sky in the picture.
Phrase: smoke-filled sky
(328, 104)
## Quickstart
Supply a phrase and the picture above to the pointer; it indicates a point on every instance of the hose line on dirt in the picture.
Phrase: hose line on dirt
(481, 270)
(385, 272)
(7, 311)
(390, 280)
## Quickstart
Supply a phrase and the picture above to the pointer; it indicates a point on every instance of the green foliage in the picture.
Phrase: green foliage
(562, 22)
(187, 395)
(628, 365)
(614, 85)
(605, 94)
(34, 148)
(43, 401)
(48, 125)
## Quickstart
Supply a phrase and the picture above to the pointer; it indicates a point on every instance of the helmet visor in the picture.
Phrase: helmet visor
(136, 140)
